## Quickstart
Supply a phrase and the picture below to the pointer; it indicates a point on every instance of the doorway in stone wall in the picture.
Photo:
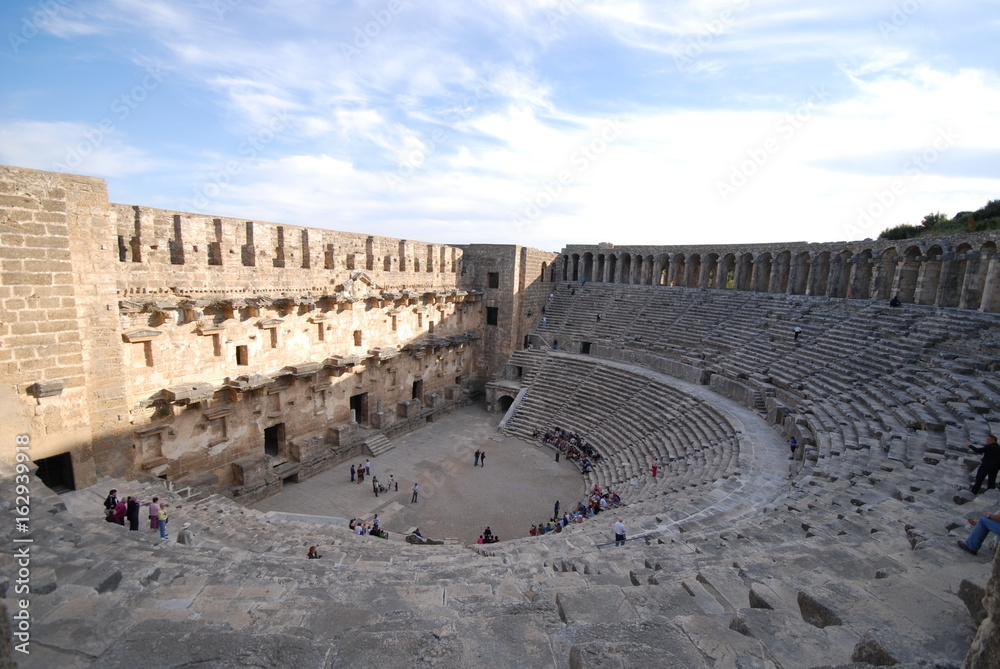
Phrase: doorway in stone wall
(418, 390)
(274, 439)
(56, 472)
(359, 405)
(504, 403)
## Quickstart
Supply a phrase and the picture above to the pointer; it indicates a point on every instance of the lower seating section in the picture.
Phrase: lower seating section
(632, 420)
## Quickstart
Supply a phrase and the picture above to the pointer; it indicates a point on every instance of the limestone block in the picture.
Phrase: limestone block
(885, 647)
(594, 605)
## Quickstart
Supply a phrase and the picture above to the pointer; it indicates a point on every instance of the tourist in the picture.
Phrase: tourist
(656, 465)
(121, 510)
(619, 532)
(416, 491)
(894, 302)
(792, 444)
(352, 473)
(162, 518)
(482, 459)
(185, 536)
(133, 505)
(375, 485)
(796, 331)
(533, 531)
(393, 483)
(989, 466)
(480, 540)
(475, 461)
(313, 555)
(368, 466)
(111, 501)
(988, 522)
(361, 473)
(154, 514)
(555, 511)
(375, 524)
(416, 532)
(359, 529)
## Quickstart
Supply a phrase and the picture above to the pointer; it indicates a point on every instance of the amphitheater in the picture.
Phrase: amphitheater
(212, 361)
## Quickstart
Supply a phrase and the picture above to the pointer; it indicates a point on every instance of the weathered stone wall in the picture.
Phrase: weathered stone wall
(44, 357)
(170, 252)
(143, 341)
(515, 281)
(960, 270)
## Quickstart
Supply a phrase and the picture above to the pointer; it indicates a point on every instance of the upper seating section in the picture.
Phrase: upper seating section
(912, 384)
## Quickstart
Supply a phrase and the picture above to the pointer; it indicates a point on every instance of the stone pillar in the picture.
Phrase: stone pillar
(948, 288)
(971, 292)
(991, 295)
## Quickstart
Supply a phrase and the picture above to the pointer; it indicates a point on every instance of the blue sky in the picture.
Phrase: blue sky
(539, 122)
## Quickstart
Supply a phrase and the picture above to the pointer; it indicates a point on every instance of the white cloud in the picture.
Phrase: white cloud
(71, 147)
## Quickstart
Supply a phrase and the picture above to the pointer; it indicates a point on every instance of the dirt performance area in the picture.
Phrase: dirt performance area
(518, 485)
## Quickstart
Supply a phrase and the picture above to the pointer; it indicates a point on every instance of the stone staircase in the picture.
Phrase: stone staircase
(378, 444)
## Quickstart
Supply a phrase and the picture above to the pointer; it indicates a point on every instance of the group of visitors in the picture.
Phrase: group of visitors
(359, 473)
(361, 528)
(572, 445)
(598, 501)
(487, 537)
(119, 510)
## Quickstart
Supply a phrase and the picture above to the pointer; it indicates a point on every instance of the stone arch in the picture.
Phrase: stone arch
(575, 263)
(885, 274)
(588, 266)
(906, 279)
(727, 272)
(709, 271)
(952, 279)
(861, 284)
(565, 268)
(625, 271)
(840, 273)
(762, 272)
(612, 268)
(744, 272)
(662, 269)
(929, 275)
(692, 271)
(820, 273)
(779, 272)
(798, 282)
(599, 268)
(678, 267)
(648, 275)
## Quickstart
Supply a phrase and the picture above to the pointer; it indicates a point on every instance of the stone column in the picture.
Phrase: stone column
(990, 292)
